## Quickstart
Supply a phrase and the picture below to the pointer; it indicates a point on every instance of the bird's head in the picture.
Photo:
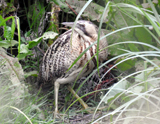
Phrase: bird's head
(84, 28)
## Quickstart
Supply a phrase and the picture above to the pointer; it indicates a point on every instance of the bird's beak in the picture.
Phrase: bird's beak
(69, 24)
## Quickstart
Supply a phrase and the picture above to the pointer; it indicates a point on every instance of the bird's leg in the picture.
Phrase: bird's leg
(56, 89)
(76, 95)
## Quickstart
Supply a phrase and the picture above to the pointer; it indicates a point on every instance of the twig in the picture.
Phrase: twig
(42, 52)
(71, 8)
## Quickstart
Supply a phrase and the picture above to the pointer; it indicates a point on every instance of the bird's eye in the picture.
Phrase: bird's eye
(82, 25)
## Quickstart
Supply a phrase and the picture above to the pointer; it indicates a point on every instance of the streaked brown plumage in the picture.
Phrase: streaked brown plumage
(64, 51)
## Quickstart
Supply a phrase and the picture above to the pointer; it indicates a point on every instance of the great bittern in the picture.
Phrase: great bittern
(64, 51)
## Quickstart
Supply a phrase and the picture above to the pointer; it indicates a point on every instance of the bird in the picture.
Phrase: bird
(65, 50)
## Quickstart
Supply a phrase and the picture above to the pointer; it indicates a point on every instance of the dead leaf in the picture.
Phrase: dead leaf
(12, 69)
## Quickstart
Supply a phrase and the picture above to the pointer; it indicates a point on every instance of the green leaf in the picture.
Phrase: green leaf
(24, 51)
(7, 43)
(24, 48)
(1, 21)
(34, 43)
(143, 35)
(126, 65)
(23, 55)
(45, 36)
(49, 35)
(114, 91)
(12, 28)
(7, 32)
(133, 47)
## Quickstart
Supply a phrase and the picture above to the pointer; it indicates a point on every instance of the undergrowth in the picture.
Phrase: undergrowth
(134, 49)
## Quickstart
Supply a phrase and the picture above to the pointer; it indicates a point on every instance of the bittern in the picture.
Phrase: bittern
(65, 50)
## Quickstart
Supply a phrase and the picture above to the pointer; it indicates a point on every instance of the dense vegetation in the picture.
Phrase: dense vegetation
(128, 82)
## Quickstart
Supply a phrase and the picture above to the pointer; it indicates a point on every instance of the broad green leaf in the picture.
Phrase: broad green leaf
(133, 48)
(117, 89)
(126, 65)
(137, 89)
(7, 32)
(6, 43)
(23, 55)
(34, 43)
(24, 51)
(143, 35)
(45, 36)
(49, 35)
(24, 48)
(1, 21)
(13, 28)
